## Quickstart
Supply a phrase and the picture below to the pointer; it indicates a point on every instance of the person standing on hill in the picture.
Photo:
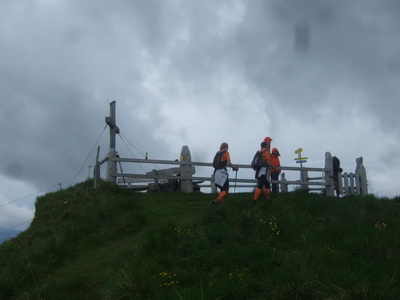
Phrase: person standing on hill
(261, 174)
(336, 170)
(275, 162)
(222, 160)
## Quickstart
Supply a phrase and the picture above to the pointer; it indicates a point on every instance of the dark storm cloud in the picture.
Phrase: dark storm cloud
(311, 48)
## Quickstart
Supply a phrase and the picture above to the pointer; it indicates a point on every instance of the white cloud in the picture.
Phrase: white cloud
(16, 212)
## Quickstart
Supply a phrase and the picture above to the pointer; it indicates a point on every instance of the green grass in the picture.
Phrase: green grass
(113, 243)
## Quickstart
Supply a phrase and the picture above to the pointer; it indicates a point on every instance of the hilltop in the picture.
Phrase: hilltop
(113, 243)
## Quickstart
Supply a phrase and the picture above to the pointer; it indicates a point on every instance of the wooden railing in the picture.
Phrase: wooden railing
(185, 169)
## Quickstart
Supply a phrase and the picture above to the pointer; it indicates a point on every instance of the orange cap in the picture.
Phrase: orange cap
(267, 139)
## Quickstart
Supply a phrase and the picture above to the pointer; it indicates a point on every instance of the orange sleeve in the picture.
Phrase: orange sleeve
(226, 156)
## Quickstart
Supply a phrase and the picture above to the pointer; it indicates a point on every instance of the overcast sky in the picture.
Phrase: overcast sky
(320, 75)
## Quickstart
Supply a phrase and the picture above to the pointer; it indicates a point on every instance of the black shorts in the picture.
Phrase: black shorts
(263, 181)
(225, 187)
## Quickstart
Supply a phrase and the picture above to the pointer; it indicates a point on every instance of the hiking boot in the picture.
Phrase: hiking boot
(214, 202)
(253, 202)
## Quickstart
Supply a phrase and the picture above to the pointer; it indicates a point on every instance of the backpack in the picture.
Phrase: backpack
(217, 163)
(256, 163)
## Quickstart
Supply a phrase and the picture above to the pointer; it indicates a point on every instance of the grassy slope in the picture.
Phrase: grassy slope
(112, 243)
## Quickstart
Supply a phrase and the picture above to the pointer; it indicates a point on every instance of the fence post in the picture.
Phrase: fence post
(351, 182)
(304, 178)
(212, 183)
(284, 185)
(96, 169)
(156, 180)
(346, 183)
(329, 188)
(186, 171)
(357, 185)
(340, 184)
(361, 176)
(111, 166)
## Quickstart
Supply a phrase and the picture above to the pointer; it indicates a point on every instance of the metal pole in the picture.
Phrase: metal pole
(234, 189)
(96, 169)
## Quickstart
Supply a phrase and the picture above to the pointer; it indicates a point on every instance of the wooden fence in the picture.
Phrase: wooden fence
(185, 170)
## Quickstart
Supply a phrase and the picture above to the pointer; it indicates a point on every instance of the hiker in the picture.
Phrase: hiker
(222, 159)
(261, 174)
(275, 162)
(336, 170)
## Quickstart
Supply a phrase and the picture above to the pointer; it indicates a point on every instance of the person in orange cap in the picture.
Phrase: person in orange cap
(261, 175)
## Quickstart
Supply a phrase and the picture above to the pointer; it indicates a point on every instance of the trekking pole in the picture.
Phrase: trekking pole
(234, 189)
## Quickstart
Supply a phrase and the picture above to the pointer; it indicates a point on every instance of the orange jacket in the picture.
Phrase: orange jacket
(274, 160)
(265, 155)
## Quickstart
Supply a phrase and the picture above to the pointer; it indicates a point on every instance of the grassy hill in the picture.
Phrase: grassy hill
(113, 243)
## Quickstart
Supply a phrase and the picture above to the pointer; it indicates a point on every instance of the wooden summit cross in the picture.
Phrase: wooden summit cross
(112, 154)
